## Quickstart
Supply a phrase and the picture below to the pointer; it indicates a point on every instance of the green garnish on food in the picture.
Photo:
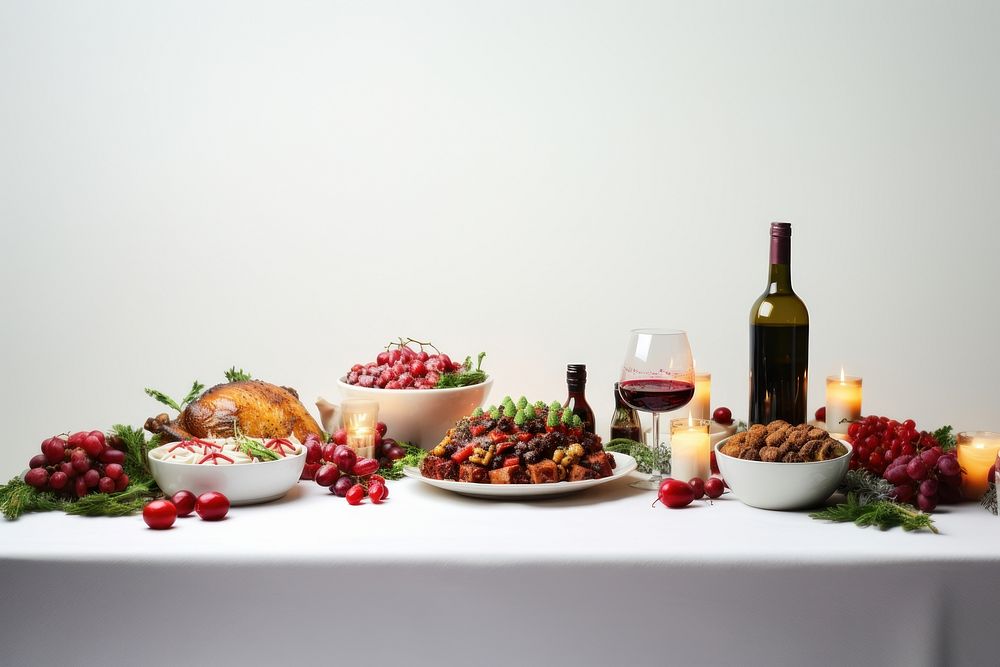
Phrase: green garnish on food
(465, 376)
(553, 419)
(567, 417)
(577, 422)
(494, 413)
(555, 407)
(519, 418)
(414, 456)
(192, 394)
(521, 402)
(233, 375)
(478, 412)
(529, 411)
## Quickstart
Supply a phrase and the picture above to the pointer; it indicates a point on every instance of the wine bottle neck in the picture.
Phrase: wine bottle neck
(780, 274)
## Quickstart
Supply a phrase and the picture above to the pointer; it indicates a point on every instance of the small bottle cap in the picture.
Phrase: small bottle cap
(781, 229)
(576, 373)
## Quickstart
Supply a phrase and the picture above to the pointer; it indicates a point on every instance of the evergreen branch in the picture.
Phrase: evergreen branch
(989, 499)
(136, 451)
(414, 456)
(884, 514)
(945, 437)
(17, 498)
(866, 486)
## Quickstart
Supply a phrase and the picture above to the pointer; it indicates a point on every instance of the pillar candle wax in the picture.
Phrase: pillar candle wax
(977, 452)
(701, 404)
(843, 402)
(690, 449)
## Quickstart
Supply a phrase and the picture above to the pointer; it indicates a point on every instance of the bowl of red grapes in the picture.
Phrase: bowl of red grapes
(421, 390)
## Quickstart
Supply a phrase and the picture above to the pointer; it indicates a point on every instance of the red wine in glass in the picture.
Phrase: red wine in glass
(657, 395)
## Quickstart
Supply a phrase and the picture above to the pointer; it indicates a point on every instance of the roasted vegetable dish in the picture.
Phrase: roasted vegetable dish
(519, 443)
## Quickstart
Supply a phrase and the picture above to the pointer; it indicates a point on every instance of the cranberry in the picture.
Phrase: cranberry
(714, 487)
(159, 514)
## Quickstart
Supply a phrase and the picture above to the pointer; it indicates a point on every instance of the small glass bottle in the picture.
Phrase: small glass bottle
(625, 422)
(576, 383)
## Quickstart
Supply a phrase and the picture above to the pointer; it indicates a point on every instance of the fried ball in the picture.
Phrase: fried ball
(816, 433)
(810, 450)
(748, 454)
(769, 454)
(775, 438)
(755, 439)
(792, 457)
(776, 425)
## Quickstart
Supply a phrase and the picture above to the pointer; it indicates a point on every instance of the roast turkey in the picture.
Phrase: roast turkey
(261, 410)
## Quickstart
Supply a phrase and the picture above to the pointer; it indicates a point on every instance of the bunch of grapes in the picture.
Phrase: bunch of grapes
(912, 461)
(878, 441)
(319, 453)
(348, 476)
(402, 367)
(78, 465)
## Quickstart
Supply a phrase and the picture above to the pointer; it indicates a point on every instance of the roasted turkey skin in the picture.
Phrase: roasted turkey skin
(261, 409)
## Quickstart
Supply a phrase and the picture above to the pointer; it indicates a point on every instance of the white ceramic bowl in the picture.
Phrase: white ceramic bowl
(782, 486)
(421, 416)
(242, 484)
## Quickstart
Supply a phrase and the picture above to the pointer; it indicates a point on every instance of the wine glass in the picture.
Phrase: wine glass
(657, 376)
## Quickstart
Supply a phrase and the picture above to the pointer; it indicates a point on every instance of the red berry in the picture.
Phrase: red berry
(723, 415)
(80, 487)
(676, 494)
(417, 368)
(212, 506)
(106, 485)
(314, 452)
(121, 483)
(339, 437)
(114, 470)
(382, 358)
(345, 458)
(342, 486)
(184, 501)
(821, 414)
(380, 429)
(38, 461)
(54, 450)
(698, 486)
(364, 467)
(159, 514)
(714, 487)
(91, 478)
(58, 480)
(355, 495)
(327, 475)
(93, 445)
(328, 451)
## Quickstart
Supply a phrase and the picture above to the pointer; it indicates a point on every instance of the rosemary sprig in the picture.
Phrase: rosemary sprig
(884, 514)
(192, 394)
(233, 375)
(252, 447)
(989, 499)
(414, 456)
(464, 377)
(644, 456)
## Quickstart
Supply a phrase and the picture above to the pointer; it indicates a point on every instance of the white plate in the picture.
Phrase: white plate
(625, 465)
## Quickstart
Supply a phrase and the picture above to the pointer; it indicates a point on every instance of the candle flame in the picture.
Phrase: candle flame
(841, 373)
(690, 419)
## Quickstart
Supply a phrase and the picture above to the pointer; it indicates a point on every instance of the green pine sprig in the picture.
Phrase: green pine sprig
(884, 514)
(866, 486)
(233, 375)
(414, 456)
(989, 499)
(192, 394)
(945, 437)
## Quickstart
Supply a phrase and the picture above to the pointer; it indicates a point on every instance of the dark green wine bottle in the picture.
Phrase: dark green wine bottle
(779, 341)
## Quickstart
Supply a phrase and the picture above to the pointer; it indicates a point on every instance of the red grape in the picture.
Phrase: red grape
(342, 486)
(184, 501)
(37, 477)
(355, 494)
(93, 445)
(925, 503)
(212, 506)
(328, 450)
(106, 485)
(58, 480)
(37, 461)
(121, 483)
(80, 487)
(91, 478)
(698, 486)
(114, 470)
(159, 514)
(327, 474)
(376, 491)
(54, 449)
(76, 439)
(314, 452)
(364, 467)
(339, 437)
(112, 456)
(345, 458)
(948, 465)
(394, 453)
(380, 429)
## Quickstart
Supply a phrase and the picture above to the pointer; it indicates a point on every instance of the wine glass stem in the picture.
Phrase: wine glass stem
(657, 473)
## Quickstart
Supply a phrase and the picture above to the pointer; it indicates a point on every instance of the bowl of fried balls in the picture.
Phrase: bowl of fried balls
(779, 466)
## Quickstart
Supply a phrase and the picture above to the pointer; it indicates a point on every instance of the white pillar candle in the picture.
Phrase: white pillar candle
(690, 449)
(843, 402)
(701, 404)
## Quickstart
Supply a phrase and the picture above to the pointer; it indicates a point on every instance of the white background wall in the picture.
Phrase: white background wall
(286, 186)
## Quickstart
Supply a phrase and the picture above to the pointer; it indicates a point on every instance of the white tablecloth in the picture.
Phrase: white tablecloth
(432, 578)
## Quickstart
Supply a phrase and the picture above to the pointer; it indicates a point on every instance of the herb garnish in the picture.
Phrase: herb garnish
(884, 514)
(192, 394)
(465, 376)
(414, 456)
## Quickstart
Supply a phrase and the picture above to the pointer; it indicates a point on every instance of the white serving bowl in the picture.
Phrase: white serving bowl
(782, 486)
(420, 416)
(242, 484)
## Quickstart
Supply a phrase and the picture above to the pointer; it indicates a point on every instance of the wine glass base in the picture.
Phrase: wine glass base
(647, 484)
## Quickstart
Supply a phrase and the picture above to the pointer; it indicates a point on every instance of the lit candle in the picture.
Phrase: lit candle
(843, 402)
(690, 451)
(977, 452)
(701, 404)
(360, 417)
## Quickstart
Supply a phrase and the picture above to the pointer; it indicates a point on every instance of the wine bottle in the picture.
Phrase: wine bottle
(576, 383)
(625, 422)
(779, 341)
